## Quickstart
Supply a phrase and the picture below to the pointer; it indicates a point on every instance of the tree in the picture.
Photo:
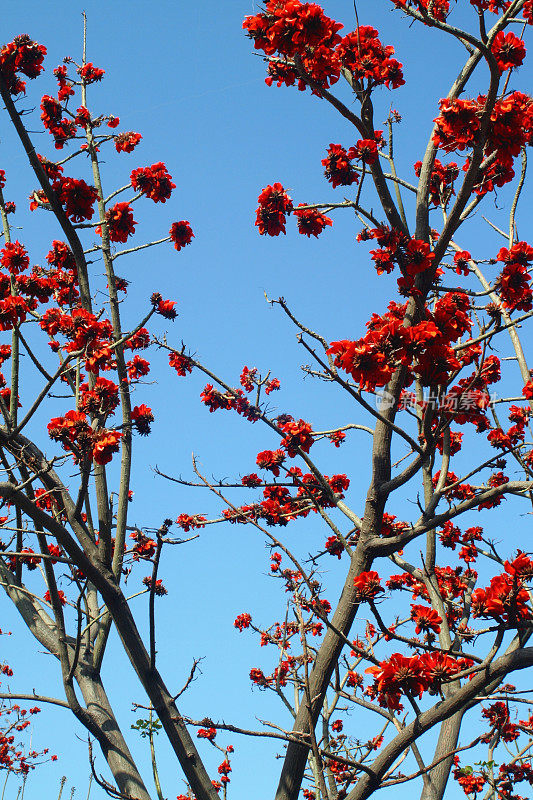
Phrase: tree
(447, 626)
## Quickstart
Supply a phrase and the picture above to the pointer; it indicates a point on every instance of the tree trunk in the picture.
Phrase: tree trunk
(448, 737)
(117, 754)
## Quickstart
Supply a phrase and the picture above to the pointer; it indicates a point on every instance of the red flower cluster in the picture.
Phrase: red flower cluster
(242, 622)
(181, 363)
(274, 205)
(65, 86)
(271, 460)
(214, 400)
(279, 507)
(181, 234)
(102, 399)
(514, 281)
(126, 142)
(441, 181)
(508, 50)
(505, 600)
(298, 436)
(144, 547)
(76, 436)
(21, 55)
(367, 59)
(457, 125)
(423, 348)
(414, 674)
(154, 182)
(311, 222)
(86, 334)
(207, 733)
(290, 30)
(14, 258)
(77, 197)
(141, 417)
(338, 167)
(188, 523)
(61, 128)
(498, 716)
(164, 307)
(137, 368)
(438, 9)
(159, 589)
(61, 597)
(426, 619)
(120, 222)
(90, 74)
(367, 586)
(511, 127)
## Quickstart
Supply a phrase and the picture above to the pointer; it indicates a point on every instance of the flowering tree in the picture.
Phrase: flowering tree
(448, 607)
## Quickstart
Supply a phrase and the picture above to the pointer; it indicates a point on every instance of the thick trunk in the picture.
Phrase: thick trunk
(448, 737)
(117, 754)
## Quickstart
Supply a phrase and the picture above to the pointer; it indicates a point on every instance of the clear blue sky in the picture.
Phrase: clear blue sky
(185, 76)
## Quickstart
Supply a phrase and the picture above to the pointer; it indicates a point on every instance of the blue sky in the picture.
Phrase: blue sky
(185, 76)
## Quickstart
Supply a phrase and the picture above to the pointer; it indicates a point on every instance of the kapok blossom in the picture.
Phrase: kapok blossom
(181, 234)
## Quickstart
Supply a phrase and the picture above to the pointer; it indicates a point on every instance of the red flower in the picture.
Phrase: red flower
(513, 285)
(458, 124)
(60, 256)
(508, 50)
(154, 182)
(187, 522)
(274, 204)
(290, 28)
(181, 234)
(90, 74)
(504, 600)
(367, 59)
(181, 363)
(270, 460)
(77, 197)
(298, 436)
(418, 257)
(242, 622)
(367, 586)
(83, 117)
(21, 55)
(61, 597)
(214, 399)
(163, 307)
(101, 399)
(106, 443)
(426, 619)
(366, 150)
(142, 417)
(527, 391)
(137, 368)
(272, 386)
(396, 675)
(126, 142)
(441, 181)
(338, 169)
(461, 259)
(520, 253)
(14, 257)
(65, 89)
(120, 222)
(159, 589)
(207, 733)
(311, 222)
